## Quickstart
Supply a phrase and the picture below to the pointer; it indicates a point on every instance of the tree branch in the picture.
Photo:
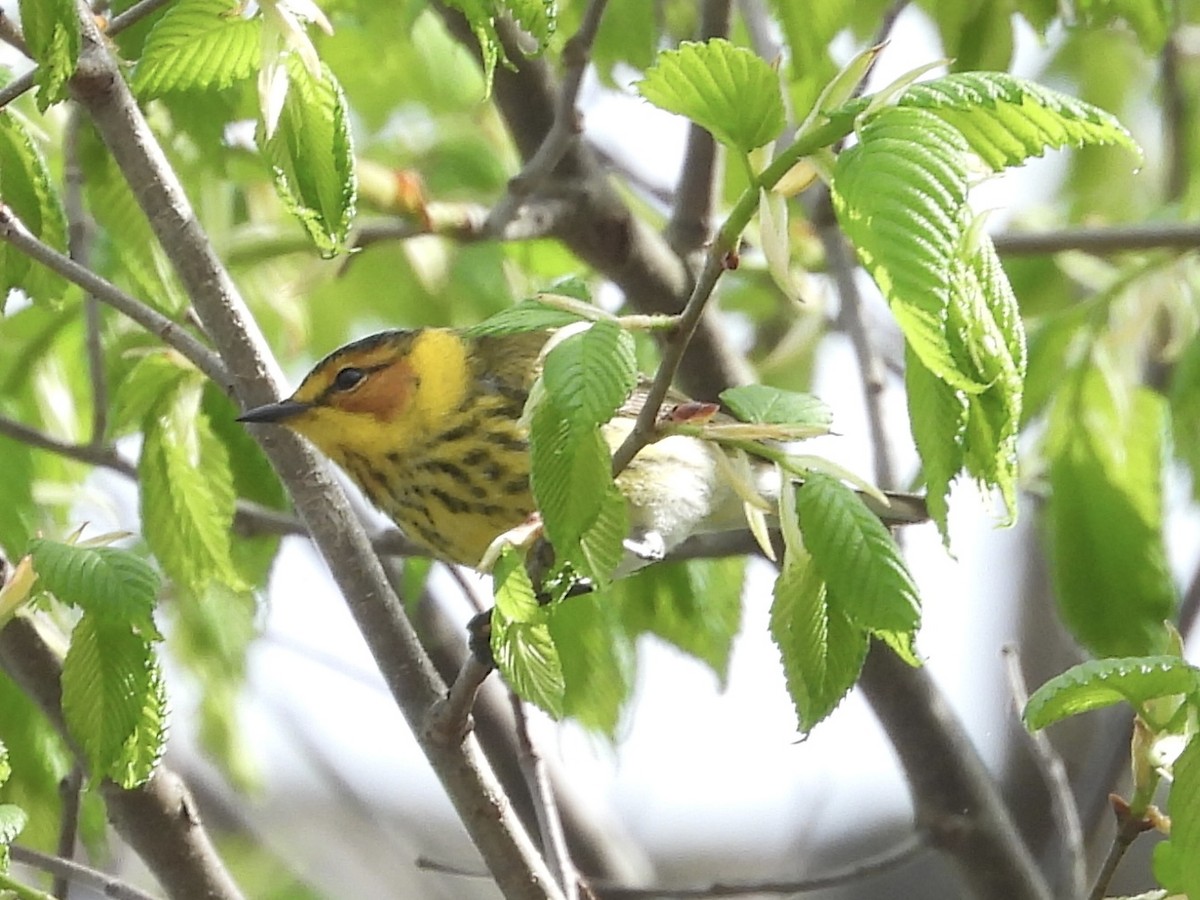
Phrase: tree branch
(506, 848)
(13, 231)
(158, 819)
(1100, 241)
(71, 871)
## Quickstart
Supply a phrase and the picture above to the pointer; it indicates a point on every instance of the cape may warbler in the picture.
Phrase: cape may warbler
(428, 424)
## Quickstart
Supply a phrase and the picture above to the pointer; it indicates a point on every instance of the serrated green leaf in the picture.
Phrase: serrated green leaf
(521, 642)
(5, 768)
(1104, 682)
(760, 403)
(481, 16)
(28, 190)
(900, 195)
(571, 474)
(311, 155)
(726, 89)
(108, 674)
(1175, 860)
(12, 822)
(39, 760)
(601, 546)
(528, 315)
(143, 749)
(695, 606)
(591, 373)
(52, 35)
(598, 660)
(855, 556)
(198, 45)
(821, 649)
(187, 498)
(1110, 567)
(1006, 120)
(538, 17)
(109, 583)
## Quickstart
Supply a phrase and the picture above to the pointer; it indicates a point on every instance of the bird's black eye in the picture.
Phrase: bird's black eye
(348, 378)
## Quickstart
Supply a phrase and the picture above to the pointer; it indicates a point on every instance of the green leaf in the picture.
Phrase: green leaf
(768, 405)
(27, 189)
(854, 554)
(110, 679)
(696, 606)
(39, 759)
(480, 15)
(528, 315)
(537, 17)
(198, 45)
(1149, 19)
(1105, 515)
(571, 474)
(1175, 860)
(601, 546)
(728, 90)
(187, 498)
(591, 373)
(1006, 120)
(138, 394)
(106, 582)
(52, 35)
(821, 649)
(1104, 682)
(311, 155)
(5, 768)
(598, 660)
(12, 822)
(937, 415)
(900, 195)
(522, 645)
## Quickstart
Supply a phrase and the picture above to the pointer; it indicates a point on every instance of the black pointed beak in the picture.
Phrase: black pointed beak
(274, 413)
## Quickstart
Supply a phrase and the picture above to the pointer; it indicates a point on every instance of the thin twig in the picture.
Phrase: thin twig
(897, 856)
(69, 870)
(565, 129)
(554, 840)
(11, 34)
(1129, 826)
(13, 230)
(104, 457)
(1054, 774)
(1175, 112)
(68, 829)
(448, 721)
(1100, 241)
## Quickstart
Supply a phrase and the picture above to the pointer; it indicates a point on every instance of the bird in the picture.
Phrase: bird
(429, 424)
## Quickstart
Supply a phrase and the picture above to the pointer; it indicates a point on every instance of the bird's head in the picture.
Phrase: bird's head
(378, 394)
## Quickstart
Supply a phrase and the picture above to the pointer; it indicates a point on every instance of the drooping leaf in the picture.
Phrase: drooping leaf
(571, 474)
(1103, 682)
(187, 498)
(537, 17)
(521, 641)
(729, 90)
(821, 649)
(597, 660)
(591, 373)
(52, 35)
(311, 155)
(854, 554)
(198, 45)
(1110, 567)
(900, 196)
(1150, 20)
(109, 680)
(937, 415)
